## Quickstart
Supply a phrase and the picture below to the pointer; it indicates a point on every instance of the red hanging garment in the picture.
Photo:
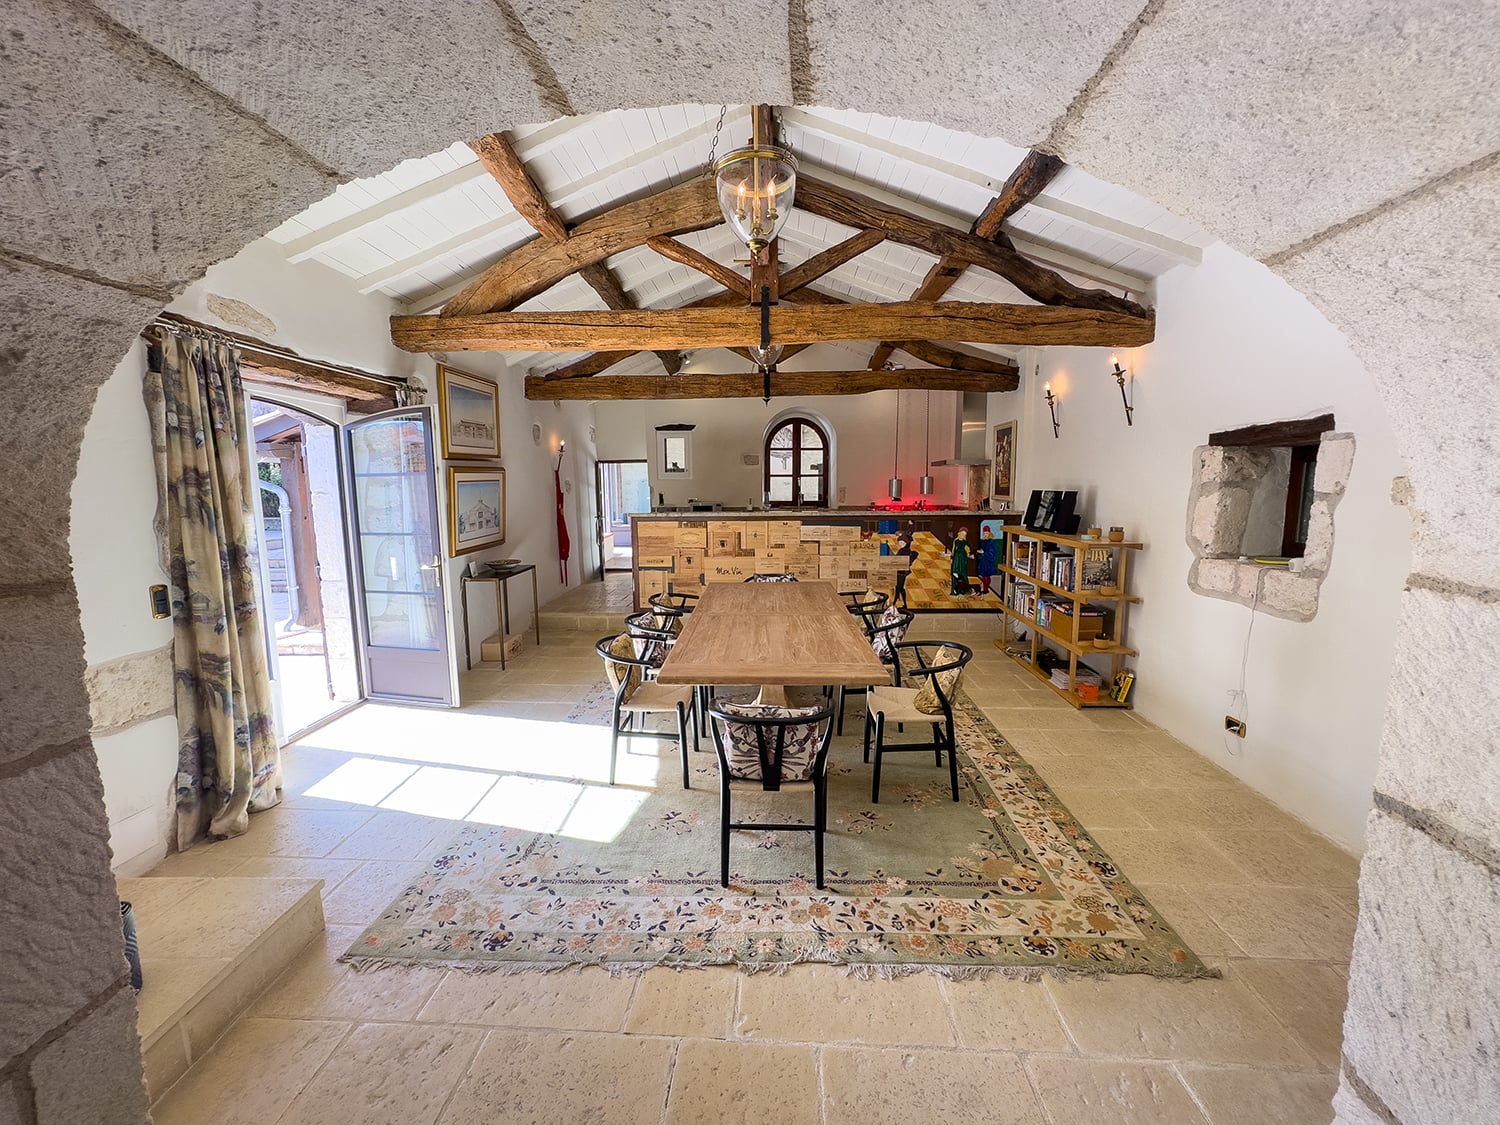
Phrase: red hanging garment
(564, 545)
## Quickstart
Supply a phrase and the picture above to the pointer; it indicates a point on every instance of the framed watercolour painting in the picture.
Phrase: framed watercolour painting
(469, 411)
(476, 509)
(1003, 456)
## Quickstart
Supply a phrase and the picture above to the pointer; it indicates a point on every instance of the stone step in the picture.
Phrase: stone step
(209, 948)
(597, 624)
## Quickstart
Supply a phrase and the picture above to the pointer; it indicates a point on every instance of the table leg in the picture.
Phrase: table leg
(463, 597)
(502, 614)
(772, 695)
(536, 610)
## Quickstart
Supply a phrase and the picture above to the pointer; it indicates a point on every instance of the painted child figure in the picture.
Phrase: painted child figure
(987, 556)
(960, 571)
(905, 553)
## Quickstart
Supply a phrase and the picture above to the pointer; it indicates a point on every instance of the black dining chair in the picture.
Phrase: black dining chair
(888, 630)
(939, 667)
(766, 749)
(676, 601)
(772, 578)
(637, 695)
(654, 633)
(866, 605)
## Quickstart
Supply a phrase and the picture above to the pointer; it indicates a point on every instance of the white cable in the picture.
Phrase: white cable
(1239, 699)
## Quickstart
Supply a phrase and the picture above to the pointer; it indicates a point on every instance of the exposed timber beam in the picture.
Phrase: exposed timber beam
(613, 294)
(684, 254)
(940, 355)
(537, 266)
(1037, 282)
(1031, 325)
(752, 385)
(587, 365)
(1024, 184)
(829, 260)
(500, 161)
(765, 273)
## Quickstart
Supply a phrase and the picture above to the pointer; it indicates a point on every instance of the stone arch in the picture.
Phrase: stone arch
(147, 141)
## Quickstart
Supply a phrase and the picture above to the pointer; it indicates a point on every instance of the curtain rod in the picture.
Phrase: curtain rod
(175, 322)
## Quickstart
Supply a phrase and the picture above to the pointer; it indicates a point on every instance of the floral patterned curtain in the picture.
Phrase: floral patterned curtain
(228, 763)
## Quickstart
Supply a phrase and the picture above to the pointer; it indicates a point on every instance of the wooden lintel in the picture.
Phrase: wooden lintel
(1034, 325)
(541, 264)
(684, 254)
(783, 384)
(1298, 431)
(501, 162)
(829, 260)
(1037, 282)
(1034, 173)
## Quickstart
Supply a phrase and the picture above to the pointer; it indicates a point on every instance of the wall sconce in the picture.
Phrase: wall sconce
(1052, 408)
(562, 448)
(1119, 374)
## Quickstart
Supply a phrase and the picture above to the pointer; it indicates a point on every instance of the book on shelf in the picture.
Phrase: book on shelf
(1097, 569)
(1120, 690)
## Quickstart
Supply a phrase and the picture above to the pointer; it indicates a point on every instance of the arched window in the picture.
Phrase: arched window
(797, 465)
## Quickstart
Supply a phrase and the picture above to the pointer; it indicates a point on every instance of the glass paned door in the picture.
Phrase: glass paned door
(394, 512)
(797, 465)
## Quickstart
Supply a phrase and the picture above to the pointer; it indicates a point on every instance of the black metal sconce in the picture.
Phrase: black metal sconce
(1119, 374)
(1052, 408)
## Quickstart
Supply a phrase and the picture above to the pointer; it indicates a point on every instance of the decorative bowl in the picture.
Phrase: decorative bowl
(1103, 642)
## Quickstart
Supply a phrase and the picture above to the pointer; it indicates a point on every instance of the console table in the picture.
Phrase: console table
(502, 605)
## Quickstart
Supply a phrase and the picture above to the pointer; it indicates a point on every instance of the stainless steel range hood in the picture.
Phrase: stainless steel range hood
(970, 433)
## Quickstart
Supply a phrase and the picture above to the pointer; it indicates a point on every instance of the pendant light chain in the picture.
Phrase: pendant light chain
(708, 169)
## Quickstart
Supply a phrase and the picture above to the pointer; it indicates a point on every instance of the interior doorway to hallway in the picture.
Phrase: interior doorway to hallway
(623, 491)
(304, 568)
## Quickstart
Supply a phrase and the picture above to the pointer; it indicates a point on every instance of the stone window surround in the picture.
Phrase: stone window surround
(1224, 480)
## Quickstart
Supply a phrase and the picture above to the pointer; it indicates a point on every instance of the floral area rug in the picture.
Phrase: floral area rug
(1004, 880)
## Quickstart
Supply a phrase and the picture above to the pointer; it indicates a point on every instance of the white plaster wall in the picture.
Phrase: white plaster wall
(1236, 346)
(727, 429)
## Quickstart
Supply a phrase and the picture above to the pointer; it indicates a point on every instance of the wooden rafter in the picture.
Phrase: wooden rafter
(684, 254)
(1033, 325)
(829, 260)
(783, 383)
(1034, 173)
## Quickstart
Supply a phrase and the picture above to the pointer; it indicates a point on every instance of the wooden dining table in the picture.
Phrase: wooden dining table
(772, 635)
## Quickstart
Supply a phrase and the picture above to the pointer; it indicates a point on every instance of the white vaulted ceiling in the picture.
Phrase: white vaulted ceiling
(421, 231)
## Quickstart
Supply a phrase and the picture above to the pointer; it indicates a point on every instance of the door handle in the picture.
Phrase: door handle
(436, 566)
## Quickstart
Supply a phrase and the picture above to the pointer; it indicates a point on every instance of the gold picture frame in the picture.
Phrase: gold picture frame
(476, 508)
(468, 415)
(1003, 464)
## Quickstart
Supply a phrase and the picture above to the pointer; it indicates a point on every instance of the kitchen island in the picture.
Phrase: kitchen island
(853, 548)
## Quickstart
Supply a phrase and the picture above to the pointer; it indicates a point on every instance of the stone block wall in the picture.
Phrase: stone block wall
(1233, 489)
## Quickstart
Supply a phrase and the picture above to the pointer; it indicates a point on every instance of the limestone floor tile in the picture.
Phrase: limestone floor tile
(1093, 1092)
(1194, 770)
(310, 833)
(152, 897)
(316, 986)
(1290, 922)
(1307, 997)
(865, 1085)
(821, 1004)
(1105, 808)
(1121, 771)
(696, 1003)
(220, 917)
(252, 1075)
(1005, 1014)
(1164, 855)
(170, 983)
(1190, 920)
(205, 860)
(390, 835)
(523, 1077)
(385, 1073)
(1287, 859)
(331, 871)
(368, 890)
(715, 1080)
(1236, 807)
(1214, 1021)
(589, 999)
(1234, 1096)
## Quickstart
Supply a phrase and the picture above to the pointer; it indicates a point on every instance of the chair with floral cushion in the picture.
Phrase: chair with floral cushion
(866, 605)
(772, 578)
(674, 601)
(768, 749)
(939, 667)
(636, 695)
(886, 632)
(654, 634)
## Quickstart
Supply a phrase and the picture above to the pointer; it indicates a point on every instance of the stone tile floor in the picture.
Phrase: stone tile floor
(368, 798)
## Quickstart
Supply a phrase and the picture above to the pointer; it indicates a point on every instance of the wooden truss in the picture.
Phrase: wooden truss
(482, 316)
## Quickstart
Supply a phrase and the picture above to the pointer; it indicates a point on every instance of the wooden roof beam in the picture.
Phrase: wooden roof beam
(1028, 325)
(752, 385)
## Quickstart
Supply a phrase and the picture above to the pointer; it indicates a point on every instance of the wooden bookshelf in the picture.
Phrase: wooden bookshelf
(1038, 550)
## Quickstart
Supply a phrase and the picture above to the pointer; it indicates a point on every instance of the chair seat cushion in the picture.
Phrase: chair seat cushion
(755, 785)
(652, 696)
(799, 750)
(882, 641)
(897, 704)
(617, 670)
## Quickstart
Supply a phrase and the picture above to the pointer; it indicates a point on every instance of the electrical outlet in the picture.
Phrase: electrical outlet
(1234, 726)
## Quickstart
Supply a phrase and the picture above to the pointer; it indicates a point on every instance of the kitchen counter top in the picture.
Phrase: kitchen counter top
(838, 513)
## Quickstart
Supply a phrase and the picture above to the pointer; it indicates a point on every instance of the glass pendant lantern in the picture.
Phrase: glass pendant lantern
(756, 186)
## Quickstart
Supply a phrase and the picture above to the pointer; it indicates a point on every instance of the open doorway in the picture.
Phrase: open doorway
(304, 566)
(624, 491)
